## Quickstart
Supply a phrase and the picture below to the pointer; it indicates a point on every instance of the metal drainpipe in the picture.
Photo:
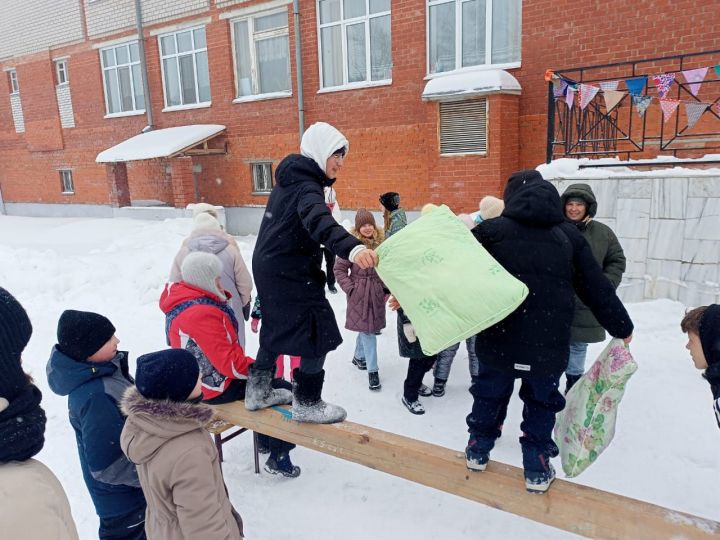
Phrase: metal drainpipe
(298, 69)
(143, 66)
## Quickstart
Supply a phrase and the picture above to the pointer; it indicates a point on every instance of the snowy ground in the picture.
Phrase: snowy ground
(665, 450)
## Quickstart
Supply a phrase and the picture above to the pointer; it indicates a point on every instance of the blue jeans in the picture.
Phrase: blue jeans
(445, 360)
(491, 391)
(576, 360)
(366, 349)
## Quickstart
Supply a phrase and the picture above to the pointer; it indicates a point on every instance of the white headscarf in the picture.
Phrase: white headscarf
(320, 140)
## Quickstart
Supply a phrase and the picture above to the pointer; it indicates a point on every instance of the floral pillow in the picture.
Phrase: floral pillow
(587, 424)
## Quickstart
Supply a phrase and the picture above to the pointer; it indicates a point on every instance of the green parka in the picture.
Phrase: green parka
(607, 252)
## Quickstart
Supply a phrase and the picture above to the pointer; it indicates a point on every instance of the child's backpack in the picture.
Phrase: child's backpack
(587, 424)
(449, 286)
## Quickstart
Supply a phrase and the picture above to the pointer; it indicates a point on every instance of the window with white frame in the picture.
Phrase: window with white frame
(262, 54)
(13, 81)
(122, 78)
(355, 43)
(66, 181)
(262, 177)
(184, 58)
(464, 33)
(61, 71)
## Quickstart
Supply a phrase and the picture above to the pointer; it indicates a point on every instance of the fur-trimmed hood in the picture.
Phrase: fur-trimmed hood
(151, 423)
(370, 243)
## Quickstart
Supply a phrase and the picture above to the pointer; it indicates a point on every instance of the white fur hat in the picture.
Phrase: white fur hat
(204, 208)
(206, 221)
(201, 269)
(491, 207)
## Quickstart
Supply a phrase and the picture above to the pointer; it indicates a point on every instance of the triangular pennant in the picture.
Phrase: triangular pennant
(695, 77)
(612, 98)
(694, 111)
(587, 93)
(641, 104)
(635, 86)
(717, 70)
(570, 96)
(663, 83)
(717, 108)
(609, 85)
(559, 88)
(668, 107)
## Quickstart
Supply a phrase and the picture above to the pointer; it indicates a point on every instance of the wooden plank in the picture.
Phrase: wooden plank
(578, 509)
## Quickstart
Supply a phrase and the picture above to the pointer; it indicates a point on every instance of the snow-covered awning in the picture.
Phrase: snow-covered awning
(162, 143)
(470, 84)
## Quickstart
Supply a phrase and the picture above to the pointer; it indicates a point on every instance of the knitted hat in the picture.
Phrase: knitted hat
(204, 208)
(15, 332)
(169, 374)
(205, 221)
(576, 200)
(363, 217)
(429, 207)
(390, 200)
(491, 207)
(200, 269)
(81, 334)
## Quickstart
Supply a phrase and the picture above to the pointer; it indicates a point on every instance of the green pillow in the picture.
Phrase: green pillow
(447, 283)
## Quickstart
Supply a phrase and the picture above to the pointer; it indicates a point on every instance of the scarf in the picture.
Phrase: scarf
(22, 426)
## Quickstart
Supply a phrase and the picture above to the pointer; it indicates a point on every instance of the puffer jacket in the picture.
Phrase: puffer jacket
(608, 253)
(179, 470)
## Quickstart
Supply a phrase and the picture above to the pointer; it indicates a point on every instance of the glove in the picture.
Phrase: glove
(246, 311)
(254, 325)
(409, 331)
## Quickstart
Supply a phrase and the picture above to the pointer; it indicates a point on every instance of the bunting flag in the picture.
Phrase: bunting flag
(663, 83)
(694, 77)
(587, 93)
(717, 70)
(694, 111)
(559, 88)
(570, 96)
(641, 104)
(612, 98)
(635, 86)
(609, 86)
(668, 107)
(717, 108)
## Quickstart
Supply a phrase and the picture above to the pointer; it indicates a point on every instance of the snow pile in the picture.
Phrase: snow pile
(570, 168)
(665, 449)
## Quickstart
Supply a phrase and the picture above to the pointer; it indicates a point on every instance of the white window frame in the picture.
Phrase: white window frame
(13, 79)
(344, 23)
(61, 72)
(458, 40)
(129, 65)
(253, 166)
(193, 53)
(66, 180)
(256, 36)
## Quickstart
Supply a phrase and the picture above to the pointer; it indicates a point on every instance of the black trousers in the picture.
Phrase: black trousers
(129, 526)
(329, 265)
(266, 360)
(417, 368)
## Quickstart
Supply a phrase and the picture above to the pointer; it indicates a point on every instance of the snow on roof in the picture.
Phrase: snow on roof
(471, 83)
(159, 143)
(570, 167)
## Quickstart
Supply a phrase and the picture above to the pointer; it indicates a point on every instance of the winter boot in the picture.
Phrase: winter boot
(539, 482)
(570, 381)
(414, 407)
(438, 389)
(360, 363)
(475, 460)
(280, 464)
(374, 380)
(258, 392)
(307, 403)
(425, 391)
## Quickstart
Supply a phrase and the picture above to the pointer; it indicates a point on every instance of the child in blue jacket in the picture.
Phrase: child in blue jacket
(86, 366)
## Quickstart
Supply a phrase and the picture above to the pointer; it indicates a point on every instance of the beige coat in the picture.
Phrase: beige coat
(179, 470)
(33, 505)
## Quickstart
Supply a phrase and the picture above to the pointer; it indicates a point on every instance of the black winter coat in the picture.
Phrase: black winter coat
(297, 318)
(532, 241)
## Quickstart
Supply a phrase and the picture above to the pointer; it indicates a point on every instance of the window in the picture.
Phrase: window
(262, 64)
(61, 71)
(184, 58)
(463, 127)
(355, 45)
(464, 33)
(66, 181)
(122, 78)
(13, 80)
(262, 177)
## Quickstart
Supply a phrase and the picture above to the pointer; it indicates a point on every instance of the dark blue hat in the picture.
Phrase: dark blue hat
(168, 374)
(81, 334)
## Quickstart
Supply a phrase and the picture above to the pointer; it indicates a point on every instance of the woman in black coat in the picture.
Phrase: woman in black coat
(297, 318)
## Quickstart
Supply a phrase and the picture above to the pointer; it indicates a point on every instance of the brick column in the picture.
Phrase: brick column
(118, 187)
(183, 185)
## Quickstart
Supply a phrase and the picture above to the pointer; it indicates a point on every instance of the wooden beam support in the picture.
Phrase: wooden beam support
(578, 509)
